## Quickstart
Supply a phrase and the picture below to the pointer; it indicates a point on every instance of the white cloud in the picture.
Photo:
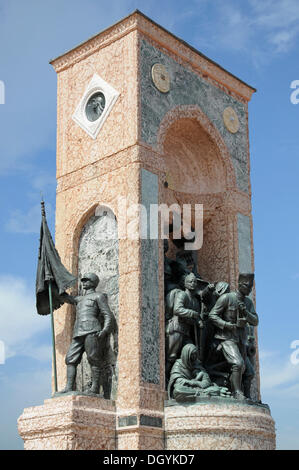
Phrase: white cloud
(19, 321)
(29, 221)
(278, 372)
(258, 29)
(284, 40)
(276, 14)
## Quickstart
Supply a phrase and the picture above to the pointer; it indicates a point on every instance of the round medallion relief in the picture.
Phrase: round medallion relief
(231, 120)
(95, 106)
(161, 77)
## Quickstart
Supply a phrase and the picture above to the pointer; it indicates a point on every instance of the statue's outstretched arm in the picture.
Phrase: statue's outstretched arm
(66, 298)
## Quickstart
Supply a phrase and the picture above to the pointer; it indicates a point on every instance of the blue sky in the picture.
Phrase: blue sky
(258, 42)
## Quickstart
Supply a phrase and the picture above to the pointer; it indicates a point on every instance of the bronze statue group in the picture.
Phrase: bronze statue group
(209, 333)
(209, 342)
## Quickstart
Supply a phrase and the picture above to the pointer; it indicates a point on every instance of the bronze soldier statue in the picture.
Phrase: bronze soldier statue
(209, 297)
(230, 316)
(94, 322)
(185, 316)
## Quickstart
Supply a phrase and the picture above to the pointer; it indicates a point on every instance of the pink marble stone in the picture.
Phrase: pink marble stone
(69, 422)
(225, 426)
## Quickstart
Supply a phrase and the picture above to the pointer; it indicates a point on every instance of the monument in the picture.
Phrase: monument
(156, 347)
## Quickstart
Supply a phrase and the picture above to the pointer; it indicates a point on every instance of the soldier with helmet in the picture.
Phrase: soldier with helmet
(185, 315)
(231, 315)
(93, 323)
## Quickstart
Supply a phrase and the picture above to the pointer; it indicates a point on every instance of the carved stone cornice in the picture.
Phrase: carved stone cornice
(173, 44)
(95, 43)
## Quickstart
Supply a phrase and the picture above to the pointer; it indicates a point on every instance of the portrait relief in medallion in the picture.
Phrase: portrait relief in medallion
(95, 106)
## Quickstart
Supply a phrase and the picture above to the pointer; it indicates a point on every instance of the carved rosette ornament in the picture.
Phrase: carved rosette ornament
(231, 120)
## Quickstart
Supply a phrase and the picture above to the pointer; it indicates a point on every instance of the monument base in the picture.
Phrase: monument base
(219, 424)
(69, 422)
(80, 422)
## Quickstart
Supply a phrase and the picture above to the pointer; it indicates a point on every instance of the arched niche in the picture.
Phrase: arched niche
(98, 253)
(192, 159)
(198, 170)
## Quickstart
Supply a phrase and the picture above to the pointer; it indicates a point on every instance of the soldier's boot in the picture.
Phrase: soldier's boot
(95, 380)
(71, 377)
(107, 383)
(235, 380)
(169, 364)
(247, 387)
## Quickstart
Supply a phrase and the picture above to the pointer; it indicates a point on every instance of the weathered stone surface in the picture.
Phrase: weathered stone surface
(150, 286)
(71, 422)
(219, 425)
(244, 238)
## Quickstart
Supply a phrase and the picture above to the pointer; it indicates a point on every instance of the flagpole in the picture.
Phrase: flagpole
(53, 335)
(51, 276)
(51, 312)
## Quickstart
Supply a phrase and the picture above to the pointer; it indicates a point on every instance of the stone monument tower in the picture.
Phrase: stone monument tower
(144, 118)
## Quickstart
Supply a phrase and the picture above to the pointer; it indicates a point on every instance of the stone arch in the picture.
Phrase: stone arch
(96, 247)
(202, 130)
(78, 227)
(191, 146)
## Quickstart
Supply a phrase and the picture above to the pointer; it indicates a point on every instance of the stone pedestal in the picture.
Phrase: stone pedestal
(70, 422)
(216, 424)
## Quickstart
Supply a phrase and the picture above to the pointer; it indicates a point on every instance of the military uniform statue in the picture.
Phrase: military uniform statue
(209, 297)
(231, 315)
(93, 324)
(185, 316)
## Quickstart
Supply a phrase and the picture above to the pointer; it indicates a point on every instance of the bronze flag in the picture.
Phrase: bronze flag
(50, 269)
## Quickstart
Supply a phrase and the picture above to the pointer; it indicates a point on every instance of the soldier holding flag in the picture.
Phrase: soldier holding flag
(94, 320)
(52, 279)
